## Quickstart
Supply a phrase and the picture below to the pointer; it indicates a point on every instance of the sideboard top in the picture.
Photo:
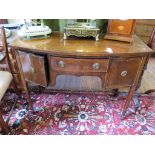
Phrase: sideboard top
(56, 45)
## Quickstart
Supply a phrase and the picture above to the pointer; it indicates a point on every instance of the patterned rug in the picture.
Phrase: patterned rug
(83, 114)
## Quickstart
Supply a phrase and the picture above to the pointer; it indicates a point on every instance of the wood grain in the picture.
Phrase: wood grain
(57, 46)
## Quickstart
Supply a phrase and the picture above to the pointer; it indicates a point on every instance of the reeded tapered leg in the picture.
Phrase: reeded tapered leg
(128, 100)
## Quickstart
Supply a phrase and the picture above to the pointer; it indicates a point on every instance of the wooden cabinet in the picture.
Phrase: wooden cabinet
(122, 72)
(117, 64)
(33, 68)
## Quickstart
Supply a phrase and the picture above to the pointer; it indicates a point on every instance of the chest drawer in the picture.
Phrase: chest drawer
(78, 65)
(122, 72)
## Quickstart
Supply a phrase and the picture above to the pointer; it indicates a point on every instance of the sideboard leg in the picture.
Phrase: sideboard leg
(133, 88)
(128, 99)
(28, 98)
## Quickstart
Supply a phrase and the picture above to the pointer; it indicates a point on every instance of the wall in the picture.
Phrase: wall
(143, 28)
(15, 21)
(59, 24)
(53, 24)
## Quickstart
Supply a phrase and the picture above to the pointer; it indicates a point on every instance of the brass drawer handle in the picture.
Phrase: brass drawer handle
(124, 73)
(96, 66)
(61, 64)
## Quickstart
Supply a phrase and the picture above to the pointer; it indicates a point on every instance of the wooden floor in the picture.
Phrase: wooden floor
(148, 80)
(90, 83)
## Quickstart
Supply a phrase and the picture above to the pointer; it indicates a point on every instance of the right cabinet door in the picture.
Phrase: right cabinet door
(123, 71)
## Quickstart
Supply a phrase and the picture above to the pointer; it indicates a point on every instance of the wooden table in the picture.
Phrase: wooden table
(117, 64)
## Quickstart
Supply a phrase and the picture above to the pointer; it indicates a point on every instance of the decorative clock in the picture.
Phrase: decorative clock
(121, 30)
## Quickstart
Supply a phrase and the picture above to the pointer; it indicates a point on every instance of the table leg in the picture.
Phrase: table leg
(134, 86)
(128, 100)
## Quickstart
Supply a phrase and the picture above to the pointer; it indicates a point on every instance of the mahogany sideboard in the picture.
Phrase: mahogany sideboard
(117, 64)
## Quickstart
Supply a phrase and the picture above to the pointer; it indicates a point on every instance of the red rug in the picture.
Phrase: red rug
(86, 114)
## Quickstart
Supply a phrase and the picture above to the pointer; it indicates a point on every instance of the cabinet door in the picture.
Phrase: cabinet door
(33, 68)
(122, 72)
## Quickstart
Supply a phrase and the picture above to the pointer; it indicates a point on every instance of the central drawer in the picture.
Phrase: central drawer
(78, 65)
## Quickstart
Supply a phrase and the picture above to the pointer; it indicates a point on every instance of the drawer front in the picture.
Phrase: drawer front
(34, 68)
(122, 72)
(78, 65)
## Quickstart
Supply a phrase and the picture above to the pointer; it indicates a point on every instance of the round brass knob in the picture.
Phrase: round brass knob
(96, 66)
(61, 64)
(124, 73)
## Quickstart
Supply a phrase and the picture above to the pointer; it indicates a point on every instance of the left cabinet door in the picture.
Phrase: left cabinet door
(34, 68)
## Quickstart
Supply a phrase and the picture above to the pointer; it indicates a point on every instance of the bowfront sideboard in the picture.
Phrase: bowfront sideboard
(117, 64)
